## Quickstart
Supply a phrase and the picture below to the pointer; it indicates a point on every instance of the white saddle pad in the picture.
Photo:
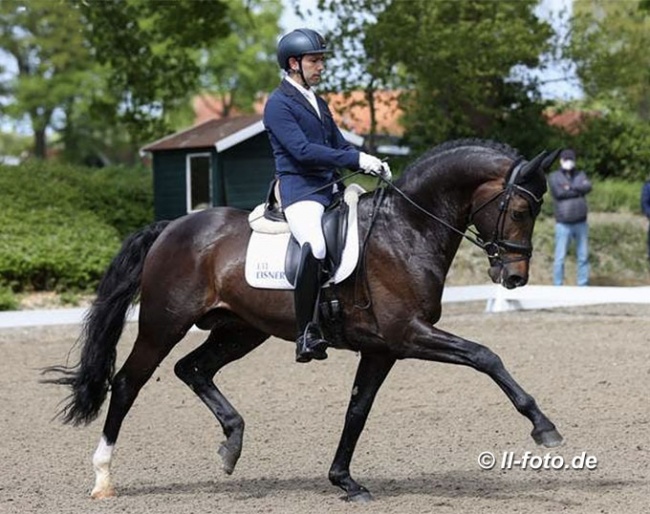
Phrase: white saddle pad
(267, 250)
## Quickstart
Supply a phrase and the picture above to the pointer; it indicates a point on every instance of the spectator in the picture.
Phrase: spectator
(645, 207)
(569, 188)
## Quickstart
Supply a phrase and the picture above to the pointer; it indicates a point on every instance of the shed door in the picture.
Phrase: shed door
(199, 182)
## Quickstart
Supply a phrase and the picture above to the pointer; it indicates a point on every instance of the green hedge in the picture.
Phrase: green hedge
(615, 196)
(121, 197)
(61, 225)
(48, 249)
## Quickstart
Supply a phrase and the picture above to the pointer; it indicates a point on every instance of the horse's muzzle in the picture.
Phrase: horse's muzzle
(510, 279)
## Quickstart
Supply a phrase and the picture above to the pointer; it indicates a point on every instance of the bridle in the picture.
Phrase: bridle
(498, 245)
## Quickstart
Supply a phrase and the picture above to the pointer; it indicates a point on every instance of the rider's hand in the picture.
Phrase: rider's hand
(369, 163)
(373, 165)
(385, 172)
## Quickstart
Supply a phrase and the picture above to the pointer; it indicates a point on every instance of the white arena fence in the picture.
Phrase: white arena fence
(500, 299)
(497, 298)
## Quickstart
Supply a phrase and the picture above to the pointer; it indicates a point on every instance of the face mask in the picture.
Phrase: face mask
(567, 164)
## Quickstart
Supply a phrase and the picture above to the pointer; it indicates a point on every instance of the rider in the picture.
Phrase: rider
(308, 148)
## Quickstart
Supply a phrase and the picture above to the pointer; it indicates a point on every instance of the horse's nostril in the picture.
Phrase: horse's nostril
(515, 281)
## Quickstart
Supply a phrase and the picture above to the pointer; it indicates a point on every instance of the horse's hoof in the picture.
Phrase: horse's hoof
(103, 494)
(362, 496)
(228, 458)
(548, 438)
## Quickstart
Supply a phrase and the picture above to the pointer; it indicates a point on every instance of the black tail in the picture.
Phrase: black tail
(103, 325)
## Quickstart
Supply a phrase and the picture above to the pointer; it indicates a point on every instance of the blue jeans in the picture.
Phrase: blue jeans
(564, 232)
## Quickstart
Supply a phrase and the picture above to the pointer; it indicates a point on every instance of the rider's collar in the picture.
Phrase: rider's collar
(307, 93)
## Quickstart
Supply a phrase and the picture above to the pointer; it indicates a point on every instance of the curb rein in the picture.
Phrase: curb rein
(497, 245)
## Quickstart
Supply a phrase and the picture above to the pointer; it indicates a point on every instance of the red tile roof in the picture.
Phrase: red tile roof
(570, 121)
(351, 111)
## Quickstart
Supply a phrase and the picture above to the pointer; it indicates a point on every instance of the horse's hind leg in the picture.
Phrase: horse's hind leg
(148, 352)
(228, 341)
(430, 343)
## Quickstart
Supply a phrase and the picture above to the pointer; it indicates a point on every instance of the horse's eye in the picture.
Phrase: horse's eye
(518, 215)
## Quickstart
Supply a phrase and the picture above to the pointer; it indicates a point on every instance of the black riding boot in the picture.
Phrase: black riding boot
(310, 343)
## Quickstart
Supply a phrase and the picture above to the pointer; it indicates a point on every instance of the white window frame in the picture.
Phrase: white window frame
(188, 180)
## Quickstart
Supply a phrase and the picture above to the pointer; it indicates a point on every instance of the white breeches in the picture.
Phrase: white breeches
(304, 220)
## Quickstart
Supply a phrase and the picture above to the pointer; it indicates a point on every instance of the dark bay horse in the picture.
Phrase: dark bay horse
(191, 272)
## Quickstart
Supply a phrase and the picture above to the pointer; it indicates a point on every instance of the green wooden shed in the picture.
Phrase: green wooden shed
(219, 162)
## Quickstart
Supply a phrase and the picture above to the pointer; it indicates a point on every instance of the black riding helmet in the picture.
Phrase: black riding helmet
(298, 43)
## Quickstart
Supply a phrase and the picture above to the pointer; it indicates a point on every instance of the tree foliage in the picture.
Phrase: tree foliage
(459, 59)
(609, 45)
(357, 61)
(151, 49)
(243, 64)
(52, 60)
(109, 75)
(461, 67)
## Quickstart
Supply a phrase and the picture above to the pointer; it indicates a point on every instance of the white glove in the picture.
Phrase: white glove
(385, 171)
(369, 163)
(374, 166)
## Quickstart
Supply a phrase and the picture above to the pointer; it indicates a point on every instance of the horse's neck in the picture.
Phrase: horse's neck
(410, 240)
(447, 196)
(434, 221)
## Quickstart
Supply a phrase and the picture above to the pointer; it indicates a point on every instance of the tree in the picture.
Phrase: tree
(461, 67)
(609, 44)
(44, 39)
(151, 49)
(86, 69)
(243, 64)
(459, 59)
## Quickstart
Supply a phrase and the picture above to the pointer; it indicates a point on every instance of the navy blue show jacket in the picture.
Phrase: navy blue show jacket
(307, 148)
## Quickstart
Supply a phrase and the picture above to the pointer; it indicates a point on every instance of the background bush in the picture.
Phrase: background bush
(60, 225)
(8, 300)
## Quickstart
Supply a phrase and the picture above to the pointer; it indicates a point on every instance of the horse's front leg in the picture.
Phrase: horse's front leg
(427, 342)
(372, 370)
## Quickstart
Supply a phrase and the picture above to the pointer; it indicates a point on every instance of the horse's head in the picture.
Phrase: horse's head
(504, 213)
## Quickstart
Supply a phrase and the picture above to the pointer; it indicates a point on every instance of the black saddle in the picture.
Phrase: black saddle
(335, 229)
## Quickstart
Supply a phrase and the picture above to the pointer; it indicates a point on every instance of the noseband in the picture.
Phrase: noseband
(498, 245)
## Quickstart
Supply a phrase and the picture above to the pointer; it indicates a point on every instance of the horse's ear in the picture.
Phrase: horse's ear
(550, 159)
(533, 165)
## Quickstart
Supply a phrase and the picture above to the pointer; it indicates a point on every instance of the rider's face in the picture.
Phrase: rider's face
(312, 68)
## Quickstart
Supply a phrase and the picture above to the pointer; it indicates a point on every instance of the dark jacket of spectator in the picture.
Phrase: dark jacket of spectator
(568, 189)
(645, 199)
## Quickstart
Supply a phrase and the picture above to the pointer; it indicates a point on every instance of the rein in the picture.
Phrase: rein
(474, 240)
(494, 247)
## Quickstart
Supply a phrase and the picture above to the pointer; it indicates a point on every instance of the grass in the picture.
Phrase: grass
(617, 254)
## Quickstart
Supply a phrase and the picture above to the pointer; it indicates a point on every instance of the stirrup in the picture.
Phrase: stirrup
(311, 344)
